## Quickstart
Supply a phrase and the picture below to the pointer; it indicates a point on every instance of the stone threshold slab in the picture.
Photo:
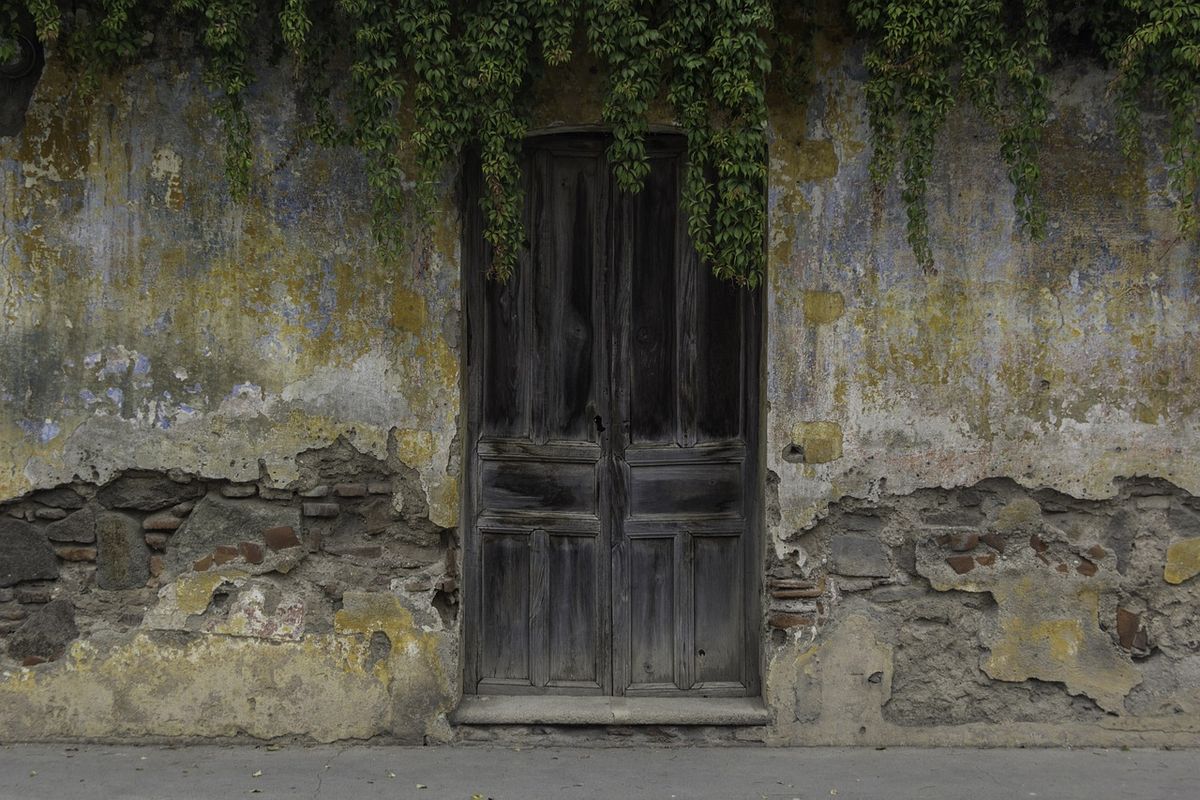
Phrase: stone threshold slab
(575, 710)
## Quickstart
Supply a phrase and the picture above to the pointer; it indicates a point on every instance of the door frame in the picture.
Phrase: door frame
(753, 379)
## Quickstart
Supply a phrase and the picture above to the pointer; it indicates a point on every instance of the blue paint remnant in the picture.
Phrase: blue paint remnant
(141, 366)
(48, 432)
(88, 397)
(186, 409)
(44, 431)
(192, 389)
(91, 359)
(115, 394)
(114, 366)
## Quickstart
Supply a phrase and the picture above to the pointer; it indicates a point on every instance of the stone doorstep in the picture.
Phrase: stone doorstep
(604, 710)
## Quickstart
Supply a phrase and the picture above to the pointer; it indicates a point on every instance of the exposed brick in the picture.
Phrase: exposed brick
(961, 564)
(1096, 552)
(271, 493)
(224, 553)
(320, 509)
(251, 552)
(33, 594)
(379, 487)
(359, 551)
(239, 490)
(157, 541)
(1038, 544)
(1127, 627)
(1063, 568)
(785, 619)
(184, 508)
(281, 538)
(32, 661)
(161, 522)
(156, 566)
(350, 489)
(75, 553)
(13, 613)
(203, 564)
(316, 491)
(1086, 568)
(421, 583)
(51, 514)
(6, 594)
(960, 541)
(986, 561)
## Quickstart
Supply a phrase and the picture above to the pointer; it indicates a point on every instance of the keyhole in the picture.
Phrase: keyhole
(701, 653)
(599, 424)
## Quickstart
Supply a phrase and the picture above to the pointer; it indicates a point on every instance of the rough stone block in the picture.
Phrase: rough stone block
(51, 514)
(147, 492)
(218, 520)
(62, 497)
(46, 633)
(316, 491)
(271, 493)
(239, 490)
(320, 509)
(859, 556)
(350, 489)
(25, 555)
(122, 558)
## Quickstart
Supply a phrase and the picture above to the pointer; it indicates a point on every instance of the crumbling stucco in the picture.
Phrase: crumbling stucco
(980, 521)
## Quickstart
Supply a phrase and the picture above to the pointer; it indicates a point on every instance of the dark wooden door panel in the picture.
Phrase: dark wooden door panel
(612, 419)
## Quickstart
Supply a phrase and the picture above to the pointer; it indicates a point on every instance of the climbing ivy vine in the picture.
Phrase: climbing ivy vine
(414, 83)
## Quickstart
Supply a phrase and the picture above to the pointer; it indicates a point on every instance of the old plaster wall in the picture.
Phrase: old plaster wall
(229, 465)
(980, 480)
(180, 368)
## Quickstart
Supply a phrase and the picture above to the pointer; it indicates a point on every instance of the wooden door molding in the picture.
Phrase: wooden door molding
(612, 514)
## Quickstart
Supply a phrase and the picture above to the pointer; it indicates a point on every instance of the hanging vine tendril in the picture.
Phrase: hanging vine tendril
(411, 83)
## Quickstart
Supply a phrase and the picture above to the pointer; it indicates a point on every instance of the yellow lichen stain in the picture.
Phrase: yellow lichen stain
(822, 308)
(821, 441)
(1018, 513)
(365, 613)
(1183, 560)
(416, 448)
(194, 591)
(408, 311)
(813, 160)
(212, 685)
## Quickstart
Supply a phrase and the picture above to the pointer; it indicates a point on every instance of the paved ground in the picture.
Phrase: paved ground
(460, 773)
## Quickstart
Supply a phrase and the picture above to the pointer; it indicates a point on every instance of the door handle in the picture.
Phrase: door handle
(599, 424)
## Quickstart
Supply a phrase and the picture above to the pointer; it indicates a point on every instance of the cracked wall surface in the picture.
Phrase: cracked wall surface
(229, 454)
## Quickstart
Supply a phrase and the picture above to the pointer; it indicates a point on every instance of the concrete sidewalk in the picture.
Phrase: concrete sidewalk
(361, 772)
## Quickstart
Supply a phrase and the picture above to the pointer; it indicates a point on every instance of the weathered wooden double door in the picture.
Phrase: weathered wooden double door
(612, 394)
